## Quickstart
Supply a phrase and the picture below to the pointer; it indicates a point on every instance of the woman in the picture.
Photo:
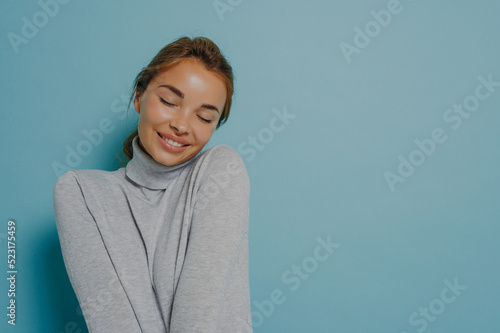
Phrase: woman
(161, 245)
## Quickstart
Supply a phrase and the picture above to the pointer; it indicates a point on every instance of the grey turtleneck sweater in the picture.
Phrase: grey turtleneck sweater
(156, 248)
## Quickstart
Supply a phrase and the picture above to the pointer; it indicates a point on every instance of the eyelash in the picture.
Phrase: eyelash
(166, 103)
(205, 120)
(170, 104)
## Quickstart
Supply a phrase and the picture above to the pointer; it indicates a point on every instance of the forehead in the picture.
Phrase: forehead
(192, 79)
(187, 69)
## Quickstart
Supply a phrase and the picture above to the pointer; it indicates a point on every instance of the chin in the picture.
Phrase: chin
(172, 160)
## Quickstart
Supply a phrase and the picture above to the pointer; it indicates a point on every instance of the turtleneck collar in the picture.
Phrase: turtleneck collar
(147, 172)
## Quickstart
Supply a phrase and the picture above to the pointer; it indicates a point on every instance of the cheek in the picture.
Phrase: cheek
(153, 113)
(204, 133)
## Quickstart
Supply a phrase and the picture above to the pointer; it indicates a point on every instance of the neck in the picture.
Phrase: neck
(145, 171)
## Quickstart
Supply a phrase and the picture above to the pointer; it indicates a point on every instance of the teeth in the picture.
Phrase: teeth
(173, 143)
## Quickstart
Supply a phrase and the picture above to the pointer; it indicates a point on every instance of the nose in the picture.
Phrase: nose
(180, 122)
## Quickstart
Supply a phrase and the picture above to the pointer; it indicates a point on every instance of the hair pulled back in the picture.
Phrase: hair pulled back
(201, 49)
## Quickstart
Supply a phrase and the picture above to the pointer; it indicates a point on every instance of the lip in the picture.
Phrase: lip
(170, 148)
(174, 138)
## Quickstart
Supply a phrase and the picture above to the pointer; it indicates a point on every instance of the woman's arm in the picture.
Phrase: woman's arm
(213, 291)
(104, 303)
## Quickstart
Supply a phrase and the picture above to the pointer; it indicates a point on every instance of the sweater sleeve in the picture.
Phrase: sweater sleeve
(213, 290)
(102, 299)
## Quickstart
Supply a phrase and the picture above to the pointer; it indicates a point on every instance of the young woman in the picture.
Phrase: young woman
(161, 245)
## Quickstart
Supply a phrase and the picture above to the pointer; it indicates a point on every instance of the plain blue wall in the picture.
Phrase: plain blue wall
(358, 94)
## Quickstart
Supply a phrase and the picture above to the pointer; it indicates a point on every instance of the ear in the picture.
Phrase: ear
(137, 102)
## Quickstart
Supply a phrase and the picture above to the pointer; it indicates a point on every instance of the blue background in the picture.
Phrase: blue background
(323, 174)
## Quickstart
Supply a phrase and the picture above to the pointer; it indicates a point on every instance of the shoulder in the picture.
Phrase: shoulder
(222, 151)
(223, 157)
(66, 181)
(73, 180)
(223, 161)
(221, 180)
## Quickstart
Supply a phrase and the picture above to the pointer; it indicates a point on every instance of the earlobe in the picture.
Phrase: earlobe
(137, 103)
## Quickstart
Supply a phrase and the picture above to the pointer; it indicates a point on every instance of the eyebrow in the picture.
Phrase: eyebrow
(181, 95)
(210, 107)
(173, 89)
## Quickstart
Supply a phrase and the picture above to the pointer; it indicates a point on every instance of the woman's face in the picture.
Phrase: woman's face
(183, 104)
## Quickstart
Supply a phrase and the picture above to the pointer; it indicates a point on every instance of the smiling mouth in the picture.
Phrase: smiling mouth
(171, 142)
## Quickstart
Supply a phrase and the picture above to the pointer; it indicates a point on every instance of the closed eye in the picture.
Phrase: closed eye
(166, 103)
(205, 120)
